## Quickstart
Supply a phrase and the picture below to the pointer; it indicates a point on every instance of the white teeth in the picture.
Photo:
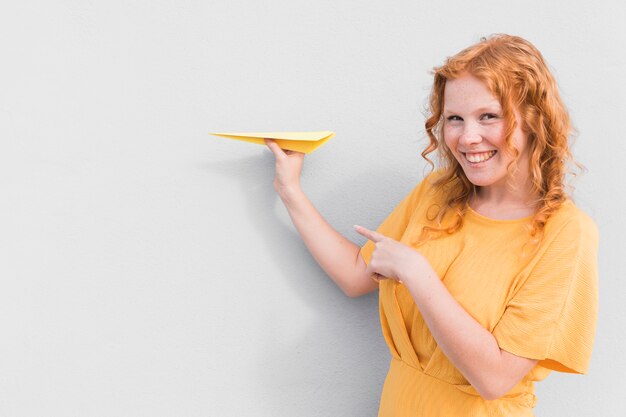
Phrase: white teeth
(479, 157)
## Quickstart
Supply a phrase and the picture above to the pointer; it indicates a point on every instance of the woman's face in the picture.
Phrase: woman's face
(473, 130)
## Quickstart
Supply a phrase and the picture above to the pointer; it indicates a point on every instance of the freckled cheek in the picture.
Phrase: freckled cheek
(450, 137)
(496, 134)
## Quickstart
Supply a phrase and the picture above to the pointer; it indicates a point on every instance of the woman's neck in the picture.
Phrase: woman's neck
(503, 204)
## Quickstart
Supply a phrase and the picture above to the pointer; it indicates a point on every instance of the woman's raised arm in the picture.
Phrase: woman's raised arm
(338, 256)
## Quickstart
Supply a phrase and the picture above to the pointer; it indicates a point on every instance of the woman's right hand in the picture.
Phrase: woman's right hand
(288, 169)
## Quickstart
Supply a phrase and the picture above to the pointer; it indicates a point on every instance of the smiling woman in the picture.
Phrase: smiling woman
(486, 270)
(509, 74)
(474, 132)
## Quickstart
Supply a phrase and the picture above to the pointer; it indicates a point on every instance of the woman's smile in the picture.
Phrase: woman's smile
(478, 158)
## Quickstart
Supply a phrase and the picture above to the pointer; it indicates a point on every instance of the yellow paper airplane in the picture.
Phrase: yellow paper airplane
(305, 142)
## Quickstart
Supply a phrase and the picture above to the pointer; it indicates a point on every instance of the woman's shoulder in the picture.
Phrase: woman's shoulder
(570, 221)
(426, 192)
(432, 182)
(427, 185)
(435, 175)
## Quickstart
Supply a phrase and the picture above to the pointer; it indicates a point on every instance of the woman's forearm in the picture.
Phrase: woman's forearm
(468, 345)
(338, 256)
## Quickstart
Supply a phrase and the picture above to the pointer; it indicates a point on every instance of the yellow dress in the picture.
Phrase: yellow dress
(542, 306)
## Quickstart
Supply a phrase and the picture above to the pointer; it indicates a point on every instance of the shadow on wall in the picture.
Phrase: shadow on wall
(338, 365)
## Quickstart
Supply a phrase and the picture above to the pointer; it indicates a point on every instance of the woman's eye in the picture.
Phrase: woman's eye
(488, 116)
(453, 118)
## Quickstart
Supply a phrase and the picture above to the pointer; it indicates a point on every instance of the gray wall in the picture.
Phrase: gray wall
(148, 269)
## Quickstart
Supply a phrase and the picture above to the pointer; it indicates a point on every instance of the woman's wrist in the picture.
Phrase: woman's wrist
(289, 194)
(417, 271)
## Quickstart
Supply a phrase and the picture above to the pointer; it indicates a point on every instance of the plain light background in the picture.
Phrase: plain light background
(148, 269)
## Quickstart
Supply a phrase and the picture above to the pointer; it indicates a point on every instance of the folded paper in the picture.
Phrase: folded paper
(305, 142)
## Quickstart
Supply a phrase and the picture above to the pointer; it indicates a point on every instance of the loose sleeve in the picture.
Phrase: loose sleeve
(396, 223)
(552, 317)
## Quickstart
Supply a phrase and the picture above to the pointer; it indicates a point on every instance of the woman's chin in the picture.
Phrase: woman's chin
(480, 180)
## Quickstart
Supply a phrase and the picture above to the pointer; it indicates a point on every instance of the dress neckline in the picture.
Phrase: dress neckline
(473, 213)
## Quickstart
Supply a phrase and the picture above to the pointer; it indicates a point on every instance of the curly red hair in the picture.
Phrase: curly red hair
(517, 75)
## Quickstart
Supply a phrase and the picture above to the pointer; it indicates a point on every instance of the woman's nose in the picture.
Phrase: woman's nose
(471, 135)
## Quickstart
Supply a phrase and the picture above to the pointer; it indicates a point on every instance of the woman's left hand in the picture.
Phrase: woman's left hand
(391, 258)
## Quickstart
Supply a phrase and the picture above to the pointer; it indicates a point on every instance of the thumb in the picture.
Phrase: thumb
(276, 150)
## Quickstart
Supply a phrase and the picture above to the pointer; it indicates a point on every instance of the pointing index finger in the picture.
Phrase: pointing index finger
(370, 234)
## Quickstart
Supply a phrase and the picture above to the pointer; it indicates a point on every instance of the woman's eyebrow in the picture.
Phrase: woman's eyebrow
(480, 110)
